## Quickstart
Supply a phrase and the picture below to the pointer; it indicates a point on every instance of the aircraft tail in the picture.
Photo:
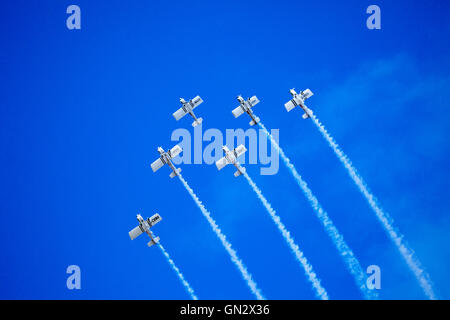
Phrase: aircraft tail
(152, 242)
(197, 122)
(253, 122)
(175, 173)
(239, 172)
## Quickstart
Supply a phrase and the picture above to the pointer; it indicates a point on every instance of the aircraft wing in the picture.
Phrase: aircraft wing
(221, 163)
(307, 94)
(238, 111)
(240, 150)
(154, 219)
(156, 165)
(254, 100)
(196, 102)
(136, 232)
(289, 106)
(180, 113)
(175, 151)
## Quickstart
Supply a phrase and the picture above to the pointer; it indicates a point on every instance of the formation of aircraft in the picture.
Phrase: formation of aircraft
(144, 226)
(166, 158)
(188, 107)
(298, 99)
(246, 106)
(231, 157)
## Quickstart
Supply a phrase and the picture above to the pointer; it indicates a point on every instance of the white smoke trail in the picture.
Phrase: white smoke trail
(407, 253)
(234, 257)
(178, 272)
(312, 277)
(344, 250)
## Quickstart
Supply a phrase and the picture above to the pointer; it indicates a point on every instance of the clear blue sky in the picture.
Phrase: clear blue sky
(82, 113)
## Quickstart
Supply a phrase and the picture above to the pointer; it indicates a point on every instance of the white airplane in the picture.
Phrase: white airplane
(299, 100)
(166, 158)
(246, 106)
(188, 107)
(144, 226)
(231, 157)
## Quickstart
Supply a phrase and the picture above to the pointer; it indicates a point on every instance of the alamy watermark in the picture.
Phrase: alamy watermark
(206, 147)
(374, 278)
(74, 20)
(374, 20)
(74, 280)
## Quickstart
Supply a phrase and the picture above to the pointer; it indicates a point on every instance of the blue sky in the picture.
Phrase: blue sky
(83, 112)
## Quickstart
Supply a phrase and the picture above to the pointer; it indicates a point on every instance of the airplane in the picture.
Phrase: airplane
(246, 106)
(144, 226)
(299, 100)
(231, 157)
(166, 158)
(188, 107)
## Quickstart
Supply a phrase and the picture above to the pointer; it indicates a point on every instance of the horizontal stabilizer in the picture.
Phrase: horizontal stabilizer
(157, 164)
(253, 122)
(152, 242)
(239, 172)
(238, 111)
(197, 122)
(136, 232)
(175, 173)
